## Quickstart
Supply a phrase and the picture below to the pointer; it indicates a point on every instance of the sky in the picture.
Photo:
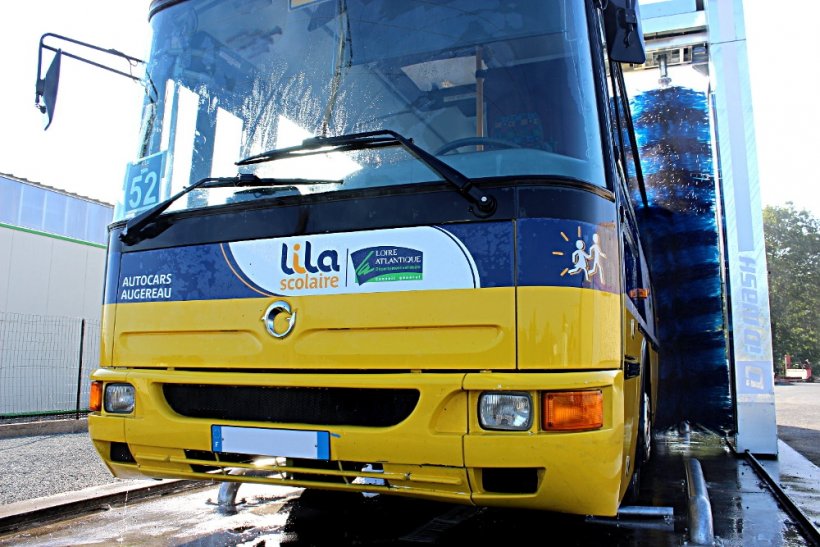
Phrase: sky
(94, 133)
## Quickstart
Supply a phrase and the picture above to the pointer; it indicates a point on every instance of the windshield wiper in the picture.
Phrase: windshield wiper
(134, 228)
(484, 203)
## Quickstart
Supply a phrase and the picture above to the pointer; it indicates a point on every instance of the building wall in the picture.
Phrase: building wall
(52, 268)
(30, 205)
(41, 274)
(52, 250)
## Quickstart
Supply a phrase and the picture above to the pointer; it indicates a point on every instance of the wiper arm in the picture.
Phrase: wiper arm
(485, 203)
(133, 232)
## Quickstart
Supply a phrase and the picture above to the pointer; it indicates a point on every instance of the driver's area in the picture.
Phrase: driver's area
(508, 108)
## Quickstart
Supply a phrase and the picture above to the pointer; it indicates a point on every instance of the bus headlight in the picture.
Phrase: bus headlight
(119, 398)
(505, 410)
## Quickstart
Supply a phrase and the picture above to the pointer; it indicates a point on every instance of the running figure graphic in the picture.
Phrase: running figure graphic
(596, 254)
(581, 259)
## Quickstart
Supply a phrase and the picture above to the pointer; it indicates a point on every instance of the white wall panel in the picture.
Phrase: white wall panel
(93, 283)
(5, 265)
(30, 260)
(44, 275)
(66, 280)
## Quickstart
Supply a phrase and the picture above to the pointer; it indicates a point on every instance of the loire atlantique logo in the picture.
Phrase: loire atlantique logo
(303, 270)
(387, 263)
(587, 262)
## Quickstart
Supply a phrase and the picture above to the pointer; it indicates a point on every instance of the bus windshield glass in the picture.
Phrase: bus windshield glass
(495, 88)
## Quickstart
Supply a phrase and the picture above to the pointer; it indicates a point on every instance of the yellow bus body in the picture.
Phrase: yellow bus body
(455, 344)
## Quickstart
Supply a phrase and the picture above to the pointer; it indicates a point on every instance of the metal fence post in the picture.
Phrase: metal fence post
(80, 369)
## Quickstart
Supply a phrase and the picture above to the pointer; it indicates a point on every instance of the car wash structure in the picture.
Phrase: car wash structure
(692, 107)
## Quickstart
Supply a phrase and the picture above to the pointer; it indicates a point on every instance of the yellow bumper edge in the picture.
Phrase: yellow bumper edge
(438, 453)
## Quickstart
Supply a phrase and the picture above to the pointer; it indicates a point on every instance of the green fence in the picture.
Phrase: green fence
(45, 364)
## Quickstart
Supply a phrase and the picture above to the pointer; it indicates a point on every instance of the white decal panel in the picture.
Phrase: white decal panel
(400, 259)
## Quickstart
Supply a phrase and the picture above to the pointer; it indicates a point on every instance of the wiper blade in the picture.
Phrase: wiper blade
(134, 228)
(485, 204)
(325, 145)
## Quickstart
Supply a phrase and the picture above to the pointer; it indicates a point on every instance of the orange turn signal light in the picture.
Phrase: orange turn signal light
(639, 294)
(572, 410)
(95, 397)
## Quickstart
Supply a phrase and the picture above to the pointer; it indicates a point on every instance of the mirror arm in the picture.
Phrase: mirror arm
(108, 51)
(39, 89)
(93, 63)
(630, 21)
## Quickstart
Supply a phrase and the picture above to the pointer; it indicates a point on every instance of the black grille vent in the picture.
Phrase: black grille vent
(315, 406)
(121, 453)
(510, 481)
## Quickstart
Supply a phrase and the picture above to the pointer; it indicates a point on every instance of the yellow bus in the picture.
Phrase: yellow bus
(384, 247)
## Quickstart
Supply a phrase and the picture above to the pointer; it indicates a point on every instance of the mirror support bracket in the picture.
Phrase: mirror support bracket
(46, 87)
(625, 42)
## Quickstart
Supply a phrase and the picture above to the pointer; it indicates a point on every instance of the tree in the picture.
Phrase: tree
(793, 256)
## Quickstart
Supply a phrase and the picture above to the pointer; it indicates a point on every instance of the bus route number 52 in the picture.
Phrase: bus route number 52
(142, 182)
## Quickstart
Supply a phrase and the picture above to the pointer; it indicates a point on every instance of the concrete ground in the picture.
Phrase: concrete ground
(798, 417)
(48, 464)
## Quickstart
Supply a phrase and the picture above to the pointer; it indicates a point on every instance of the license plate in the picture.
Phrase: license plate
(285, 443)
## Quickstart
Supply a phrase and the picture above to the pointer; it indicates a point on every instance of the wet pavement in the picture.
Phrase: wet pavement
(744, 512)
(744, 509)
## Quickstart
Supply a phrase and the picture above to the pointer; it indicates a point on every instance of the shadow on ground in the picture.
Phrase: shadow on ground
(803, 440)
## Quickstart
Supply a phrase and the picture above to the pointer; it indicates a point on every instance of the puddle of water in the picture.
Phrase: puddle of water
(175, 521)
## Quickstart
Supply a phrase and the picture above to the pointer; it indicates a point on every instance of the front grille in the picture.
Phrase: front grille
(291, 469)
(223, 457)
(305, 405)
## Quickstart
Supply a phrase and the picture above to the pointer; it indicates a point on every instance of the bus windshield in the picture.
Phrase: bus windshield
(495, 88)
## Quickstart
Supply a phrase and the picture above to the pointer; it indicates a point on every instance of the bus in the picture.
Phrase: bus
(384, 247)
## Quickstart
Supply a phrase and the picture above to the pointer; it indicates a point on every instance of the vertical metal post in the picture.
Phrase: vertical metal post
(748, 298)
(80, 369)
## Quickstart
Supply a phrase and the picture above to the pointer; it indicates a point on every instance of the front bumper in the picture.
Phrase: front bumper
(437, 452)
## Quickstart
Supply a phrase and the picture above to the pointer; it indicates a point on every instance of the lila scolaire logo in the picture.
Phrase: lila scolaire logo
(304, 273)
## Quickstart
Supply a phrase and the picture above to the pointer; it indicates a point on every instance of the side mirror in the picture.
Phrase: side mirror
(47, 89)
(624, 36)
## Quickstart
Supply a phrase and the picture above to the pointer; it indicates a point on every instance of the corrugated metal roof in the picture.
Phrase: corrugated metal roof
(8, 176)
